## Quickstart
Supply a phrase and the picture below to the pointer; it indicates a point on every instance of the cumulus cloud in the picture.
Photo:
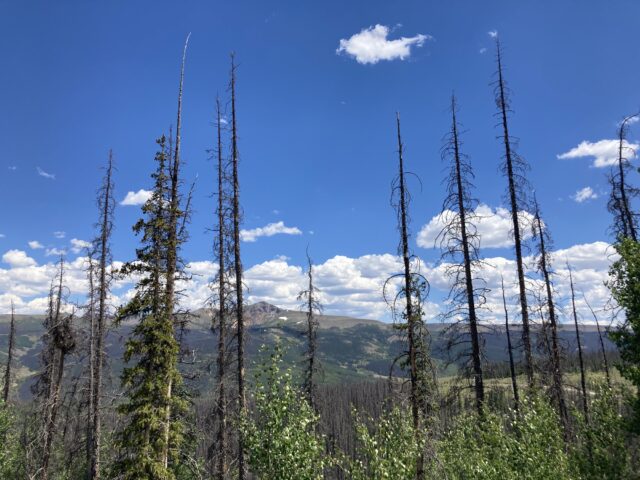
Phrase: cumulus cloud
(18, 258)
(603, 152)
(59, 234)
(136, 198)
(42, 173)
(493, 227)
(371, 45)
(584, 194)
(35, 245)
(268, 231)
(78, 245)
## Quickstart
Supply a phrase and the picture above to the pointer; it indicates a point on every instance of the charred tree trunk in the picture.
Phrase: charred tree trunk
(467, 260)
(603, 350)
(583, 378)
(92, 356)
(104, 254)
(556, 368)
(12, 339)
(510, 160)
(311, 305)
(626, 214)
(238, 270)
(512, 366)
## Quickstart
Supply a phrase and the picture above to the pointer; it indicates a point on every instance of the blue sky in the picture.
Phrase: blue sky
(316, 126)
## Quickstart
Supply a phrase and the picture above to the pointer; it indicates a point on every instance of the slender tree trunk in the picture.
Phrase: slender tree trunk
(101, 319)
(408, 293)
(12, 339)
(600, 337)
(312, 333)
(627, 216)
(513, 199)
(238, 269)
(512, 367)
(473, 319)
(53, 413)
(92, 359)
(555, 348)
(583, 379)
(221, 466)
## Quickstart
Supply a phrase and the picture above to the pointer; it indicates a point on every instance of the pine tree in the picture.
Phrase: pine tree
(514, 168)
(459, 243)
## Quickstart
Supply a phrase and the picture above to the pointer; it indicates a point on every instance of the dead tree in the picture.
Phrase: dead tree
(312, 306)
(625, 220)
(91, 317)
(603, 350)
(459, 243)
(408, 319)
(102, 274)
(512, 366)
(12, 340)
(242, 471)
(514, 168)
(583, 379)
(541, 232)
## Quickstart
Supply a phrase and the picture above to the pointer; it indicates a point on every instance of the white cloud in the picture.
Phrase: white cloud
(136, 198)
(50, 252)
(78, 245)
(493, 227)
(35, 245)
(59, 234)
(13, 168)
(268, 231)
(493, 33)
(2, 235)
(584, 194)
(371, 45)
(604, 152)
(18, 258)
(42, 173)
(482, 51)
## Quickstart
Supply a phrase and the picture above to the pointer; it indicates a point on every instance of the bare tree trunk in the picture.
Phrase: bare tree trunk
(92, 358)
(473, 319)
(238, 269)
(408, 291)
(555, 348)
(221, 466)
(101, 319)
(513, 199)
(512, 367)
(583, 379)
(600, 337)
(627, 216)
(312, 305)
(12, 339)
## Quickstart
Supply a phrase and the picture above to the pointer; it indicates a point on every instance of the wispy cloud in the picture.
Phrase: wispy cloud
(604, 152)
(136, 198)
(483, 50)
(268, 231)
(493, 33)
(584, 194)
(50, 252)
(59, 234)
(371, 45)
(78, 245)
(42, 173)
(13, 168)
(35, 245)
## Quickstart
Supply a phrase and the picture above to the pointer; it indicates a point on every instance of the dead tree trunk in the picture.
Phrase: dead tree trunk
(238, 270)
(583, 379)
(512, 366)
(625, 224)
(12, 339)
(91, 314)
(601, 339)
(103, 250)
(545, 269)
(514, 168)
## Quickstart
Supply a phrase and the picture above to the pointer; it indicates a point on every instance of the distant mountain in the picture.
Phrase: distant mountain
(350, 349)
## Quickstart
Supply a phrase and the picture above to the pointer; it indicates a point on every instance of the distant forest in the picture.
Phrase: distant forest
(546, 401)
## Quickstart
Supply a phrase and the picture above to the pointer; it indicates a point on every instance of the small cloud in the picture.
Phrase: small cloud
(311, 232)
(35, 245)
(42, 173)
(268, 231)
(371, 45)
(2, 235)
(493, 33)
(604, 152)
(275, 212)
(50, 252)
(483, 50)
(584, 194)
(59, 234)
(13, 168)
(223, 121)
(78, 245)
(136, 198)
(18, 258)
